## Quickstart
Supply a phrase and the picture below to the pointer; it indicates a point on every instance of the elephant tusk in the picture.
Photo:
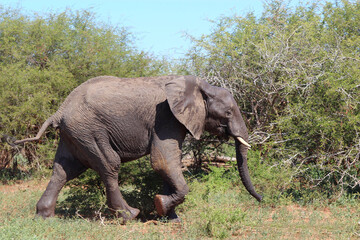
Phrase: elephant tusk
(243, 142)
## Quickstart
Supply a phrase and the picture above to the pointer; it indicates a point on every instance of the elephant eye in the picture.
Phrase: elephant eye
(228, 113)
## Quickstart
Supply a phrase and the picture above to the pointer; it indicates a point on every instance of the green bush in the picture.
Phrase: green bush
(294, 73)
(43, 58)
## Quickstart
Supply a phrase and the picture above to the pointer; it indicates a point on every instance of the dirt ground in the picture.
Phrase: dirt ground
(21, 185)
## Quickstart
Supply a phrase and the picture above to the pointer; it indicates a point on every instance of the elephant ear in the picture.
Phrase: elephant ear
(187, 103)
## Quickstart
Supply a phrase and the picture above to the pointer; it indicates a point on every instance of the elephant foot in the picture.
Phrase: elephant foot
(134, 212)
(44, 211)
(173, 217)
(161, 204)
(127, 215)
(164, 208)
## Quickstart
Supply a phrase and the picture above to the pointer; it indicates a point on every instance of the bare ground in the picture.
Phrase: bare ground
(291, 221)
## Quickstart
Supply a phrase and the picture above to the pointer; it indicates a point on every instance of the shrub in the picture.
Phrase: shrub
(43, 58)
(294, 73)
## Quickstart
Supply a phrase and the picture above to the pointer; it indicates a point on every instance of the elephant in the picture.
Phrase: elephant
(107, 121)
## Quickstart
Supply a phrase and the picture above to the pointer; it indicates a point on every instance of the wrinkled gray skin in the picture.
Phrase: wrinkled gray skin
(108, 120)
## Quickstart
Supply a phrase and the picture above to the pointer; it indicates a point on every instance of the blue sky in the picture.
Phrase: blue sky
(159, 25)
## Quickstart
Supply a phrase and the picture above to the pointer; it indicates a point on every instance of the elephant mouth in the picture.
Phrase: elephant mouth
(223, 132)
(224, 129)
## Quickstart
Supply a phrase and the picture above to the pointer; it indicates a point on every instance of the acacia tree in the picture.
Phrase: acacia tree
(295, 74)
(42, 58)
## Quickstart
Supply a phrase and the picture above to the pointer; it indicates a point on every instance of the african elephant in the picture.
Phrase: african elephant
(108, 120)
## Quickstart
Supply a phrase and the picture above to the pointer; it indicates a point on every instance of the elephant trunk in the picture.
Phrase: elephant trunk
(241, 157)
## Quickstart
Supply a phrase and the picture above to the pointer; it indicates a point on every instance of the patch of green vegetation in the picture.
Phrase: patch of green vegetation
(217, 207)
(298, 97)
(44, 57)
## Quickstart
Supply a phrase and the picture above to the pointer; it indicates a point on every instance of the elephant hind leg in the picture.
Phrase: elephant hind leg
(115, 200)
(107, 162)
(66, 167)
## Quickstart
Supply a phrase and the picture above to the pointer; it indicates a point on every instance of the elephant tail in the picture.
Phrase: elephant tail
(45, 125)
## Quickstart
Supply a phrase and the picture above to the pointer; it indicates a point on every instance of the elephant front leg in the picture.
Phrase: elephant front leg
(160, 204)
(166, 160)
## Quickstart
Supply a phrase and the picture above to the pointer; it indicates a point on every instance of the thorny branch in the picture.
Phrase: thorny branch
(267, 75)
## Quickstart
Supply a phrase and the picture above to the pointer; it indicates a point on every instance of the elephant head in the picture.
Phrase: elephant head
(200, 106)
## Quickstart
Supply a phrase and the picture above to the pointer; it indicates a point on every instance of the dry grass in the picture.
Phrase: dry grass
(207, 214)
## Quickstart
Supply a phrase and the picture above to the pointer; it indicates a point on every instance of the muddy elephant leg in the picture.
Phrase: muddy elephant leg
(66, 167)
(107, 165)
(166, 160)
